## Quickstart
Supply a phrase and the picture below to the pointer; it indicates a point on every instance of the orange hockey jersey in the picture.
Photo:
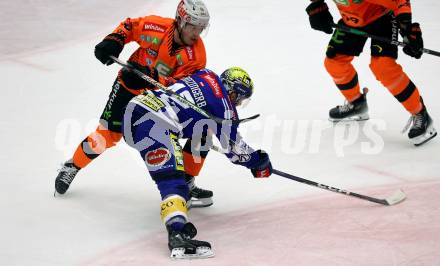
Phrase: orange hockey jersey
(154, 35)
(359, 13)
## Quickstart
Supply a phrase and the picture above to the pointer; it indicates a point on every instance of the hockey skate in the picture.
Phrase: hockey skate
(422, 129)
(354, 111)
(183, 246)
(65, 177)
(199, 197)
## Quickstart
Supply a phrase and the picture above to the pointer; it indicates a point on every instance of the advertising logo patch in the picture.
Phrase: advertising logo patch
(150, 101)
(190, 53)
(152, 52)
(154, 27)
(215, 86)
(157, 157)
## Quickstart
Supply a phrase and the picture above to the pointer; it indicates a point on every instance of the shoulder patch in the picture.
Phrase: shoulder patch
(215, 86)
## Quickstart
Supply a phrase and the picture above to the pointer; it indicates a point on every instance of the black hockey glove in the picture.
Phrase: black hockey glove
(263, 167)
(111, 45)
(412, 36)
(319, 16)
(134, 81)
(414, 41)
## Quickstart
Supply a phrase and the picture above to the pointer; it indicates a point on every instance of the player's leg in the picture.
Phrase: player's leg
(194, 158)
(341, 50)
(391, 75)
(106, 135)
(162, 154)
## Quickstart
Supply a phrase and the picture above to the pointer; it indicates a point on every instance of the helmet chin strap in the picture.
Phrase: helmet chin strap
(179, 30)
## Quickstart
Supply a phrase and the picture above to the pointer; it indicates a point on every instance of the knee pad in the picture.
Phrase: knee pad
(339, 66)
(386, 70)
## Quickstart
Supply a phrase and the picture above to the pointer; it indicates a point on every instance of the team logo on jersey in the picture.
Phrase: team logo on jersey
(178, 155)
(154, 27)
(342, 2)
(215, 86)
(151, 39)
(179, 59)
(151, 101)
(241, 158)
(190, 53)
(157, 157)
(163, 69)
(152, 52)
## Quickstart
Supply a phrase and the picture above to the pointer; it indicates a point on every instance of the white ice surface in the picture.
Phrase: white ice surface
(54, 90)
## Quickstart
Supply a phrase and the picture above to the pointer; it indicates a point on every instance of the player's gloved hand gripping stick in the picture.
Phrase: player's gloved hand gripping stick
(379, 38)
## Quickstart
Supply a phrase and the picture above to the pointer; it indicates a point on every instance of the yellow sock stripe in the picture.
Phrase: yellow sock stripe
(173, 206)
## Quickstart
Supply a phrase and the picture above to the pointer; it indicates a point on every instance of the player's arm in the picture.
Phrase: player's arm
(242, 154)
(113, 43)
(411, 32)
(319, 16)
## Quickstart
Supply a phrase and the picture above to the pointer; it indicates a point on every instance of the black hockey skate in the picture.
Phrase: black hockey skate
(354, 111)
(199, 197)
(65, 177)
(422, 128)
(183, 246)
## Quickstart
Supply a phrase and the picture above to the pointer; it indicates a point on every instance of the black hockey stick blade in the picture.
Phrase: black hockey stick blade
(244, 120)
(236, 122)
(394, 199)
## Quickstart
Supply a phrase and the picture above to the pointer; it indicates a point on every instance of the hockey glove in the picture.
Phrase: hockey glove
(412, 35)
(319, 16)
(414, 41)
(134, 81)
(111, 45)
(263, 167)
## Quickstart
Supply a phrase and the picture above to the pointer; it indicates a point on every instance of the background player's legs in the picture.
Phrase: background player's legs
(105, 136)
(193, 158)
(391, 75)
(344, 75)
(341, 50)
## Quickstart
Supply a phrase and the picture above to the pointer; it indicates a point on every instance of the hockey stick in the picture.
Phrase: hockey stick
(397, 197)
(379, 38)
(181, 99)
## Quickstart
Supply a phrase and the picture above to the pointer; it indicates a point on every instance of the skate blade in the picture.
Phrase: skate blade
(201, 253)
(361, 117)
(429, 134)
(199, 203)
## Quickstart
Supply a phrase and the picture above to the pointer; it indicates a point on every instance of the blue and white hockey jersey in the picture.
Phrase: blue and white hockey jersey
(164, 114)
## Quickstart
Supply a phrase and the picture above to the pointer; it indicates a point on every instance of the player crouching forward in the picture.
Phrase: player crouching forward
(153, 124)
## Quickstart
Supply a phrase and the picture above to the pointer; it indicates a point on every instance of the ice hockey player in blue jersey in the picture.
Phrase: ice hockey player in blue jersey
(153, 124)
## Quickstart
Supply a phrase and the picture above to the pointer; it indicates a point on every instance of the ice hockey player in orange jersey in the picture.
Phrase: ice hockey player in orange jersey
(169, 49)
(383, 18)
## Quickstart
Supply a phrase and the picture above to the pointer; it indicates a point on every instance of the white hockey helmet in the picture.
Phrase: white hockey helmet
(193, 12)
